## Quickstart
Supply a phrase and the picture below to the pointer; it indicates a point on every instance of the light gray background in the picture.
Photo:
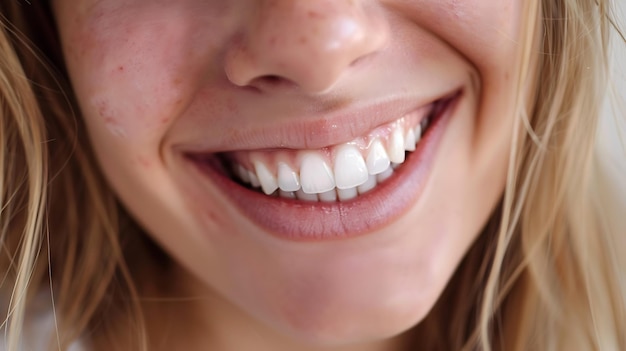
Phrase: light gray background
(613, 126)
(612, 131)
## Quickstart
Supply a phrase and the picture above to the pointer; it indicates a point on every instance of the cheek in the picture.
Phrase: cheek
(486, 32)
(128, 75)
(491, 32)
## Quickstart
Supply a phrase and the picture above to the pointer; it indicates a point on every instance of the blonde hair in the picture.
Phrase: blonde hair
(565, 289)
(59, 221)
(547, 273)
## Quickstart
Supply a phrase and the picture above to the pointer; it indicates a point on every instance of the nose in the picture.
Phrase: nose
(307, 43)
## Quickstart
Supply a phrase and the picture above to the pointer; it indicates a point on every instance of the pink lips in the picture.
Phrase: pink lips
(304, 221)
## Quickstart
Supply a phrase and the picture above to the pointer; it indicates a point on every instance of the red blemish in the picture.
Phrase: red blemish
(144, 162)
(103, 109)
(108, 116)
(303, 40)
(120, 68)
(214, 217)
(165, 120)
(314, 14)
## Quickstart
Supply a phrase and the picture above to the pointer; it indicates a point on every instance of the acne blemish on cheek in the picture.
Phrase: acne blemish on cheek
(110, 121)
(314, 14)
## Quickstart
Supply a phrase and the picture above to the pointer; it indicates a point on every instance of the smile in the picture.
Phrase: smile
(337, 191)
(338, 173)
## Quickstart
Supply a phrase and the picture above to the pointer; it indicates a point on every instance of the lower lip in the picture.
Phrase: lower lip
(296, 220)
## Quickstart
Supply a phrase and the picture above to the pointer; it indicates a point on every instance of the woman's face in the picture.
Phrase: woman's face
(188, 102)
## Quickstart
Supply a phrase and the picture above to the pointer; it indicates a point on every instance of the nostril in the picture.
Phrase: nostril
(306, 45)
(271, 81)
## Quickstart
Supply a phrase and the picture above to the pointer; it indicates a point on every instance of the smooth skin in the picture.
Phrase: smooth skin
(157, 78)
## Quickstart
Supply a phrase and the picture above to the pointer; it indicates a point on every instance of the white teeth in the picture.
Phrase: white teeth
(243, 174)
(377, 159)
(301, 195)
(369, 185)
(350, 168)
(254, 181)
(396, 146)
(384, 175)
(268, 181)
(355, 171)
(329, 196)
(410, 141)
(288, 179)
(418, 133)
(347, 194)
(315, 175)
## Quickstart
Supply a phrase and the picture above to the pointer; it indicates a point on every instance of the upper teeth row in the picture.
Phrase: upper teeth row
(355, 169)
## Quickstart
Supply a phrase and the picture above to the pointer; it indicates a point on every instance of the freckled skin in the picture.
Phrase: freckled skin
(155, 78)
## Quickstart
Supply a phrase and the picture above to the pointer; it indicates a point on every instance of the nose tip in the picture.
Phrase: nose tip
(309, 44)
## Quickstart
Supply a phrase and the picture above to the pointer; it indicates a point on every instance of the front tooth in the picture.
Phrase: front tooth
(410, 141)
(347, 194)
(377, 159)
(267, 180)
(329, 196)
(350, 168)
(288, 179)
(301, 195)
(315, 175)
(367, 186)
(396, 146)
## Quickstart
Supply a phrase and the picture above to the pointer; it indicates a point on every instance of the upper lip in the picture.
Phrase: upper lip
(322, 130)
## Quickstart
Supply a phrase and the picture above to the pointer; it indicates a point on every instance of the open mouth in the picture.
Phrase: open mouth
(335, 173)
(352, 187)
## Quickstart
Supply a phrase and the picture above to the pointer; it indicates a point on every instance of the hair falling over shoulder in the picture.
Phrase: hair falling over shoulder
(548, 272)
